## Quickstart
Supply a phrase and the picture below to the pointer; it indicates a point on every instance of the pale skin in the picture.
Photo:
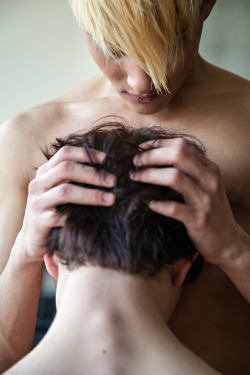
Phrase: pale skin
(212, 104)
(98, 335)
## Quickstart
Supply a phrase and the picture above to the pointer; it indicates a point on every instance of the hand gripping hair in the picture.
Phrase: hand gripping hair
(127, 236)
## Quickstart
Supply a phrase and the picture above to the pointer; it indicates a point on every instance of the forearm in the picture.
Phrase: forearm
(235, 262)
(20, 285)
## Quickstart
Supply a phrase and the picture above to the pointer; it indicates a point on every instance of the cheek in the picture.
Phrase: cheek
(97, 56)
(189, 51)
(185, 59)
(110, 68)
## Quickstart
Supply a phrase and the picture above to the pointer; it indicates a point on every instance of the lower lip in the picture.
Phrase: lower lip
(141, 99)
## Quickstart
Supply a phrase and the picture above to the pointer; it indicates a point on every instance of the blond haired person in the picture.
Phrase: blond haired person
(151, 73)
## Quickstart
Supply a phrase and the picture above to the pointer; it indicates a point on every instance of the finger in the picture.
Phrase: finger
(72, 171)
(173, 141)
(175, 210)
(68, 193)
(51, 219)
(174, 178)
(71, 153)
(179, 153)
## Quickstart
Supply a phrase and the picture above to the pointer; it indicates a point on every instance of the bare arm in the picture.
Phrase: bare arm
(20, 285)
(13, 189)
(21, 279)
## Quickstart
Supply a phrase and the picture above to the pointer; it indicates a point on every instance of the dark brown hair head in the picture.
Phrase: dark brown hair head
(127, 236)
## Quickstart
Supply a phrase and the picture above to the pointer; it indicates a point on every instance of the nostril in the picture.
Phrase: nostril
(140, 84)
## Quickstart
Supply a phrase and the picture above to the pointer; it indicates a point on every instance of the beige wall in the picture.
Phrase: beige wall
(43, 55)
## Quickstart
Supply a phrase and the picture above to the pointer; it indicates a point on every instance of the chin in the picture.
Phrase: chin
(146, 108)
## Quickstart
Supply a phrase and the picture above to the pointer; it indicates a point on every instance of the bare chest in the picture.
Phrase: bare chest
(213, 320)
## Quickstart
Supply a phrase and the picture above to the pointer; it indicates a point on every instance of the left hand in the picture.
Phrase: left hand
(206, 212)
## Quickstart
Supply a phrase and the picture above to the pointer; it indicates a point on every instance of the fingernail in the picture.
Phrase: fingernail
(137, 160)
(133, 175)
(108, 197)
(152, 204)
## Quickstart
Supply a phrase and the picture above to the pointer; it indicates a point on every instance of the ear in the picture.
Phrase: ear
(51, 264)
(208, 6)
(179, 270)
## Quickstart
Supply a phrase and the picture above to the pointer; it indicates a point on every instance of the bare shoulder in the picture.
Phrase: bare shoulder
(94, 88)
(231, 88)
(21, 135)
(28, 132)
(223, 100)
(233, 96)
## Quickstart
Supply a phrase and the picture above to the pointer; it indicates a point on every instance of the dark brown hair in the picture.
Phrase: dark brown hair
(127, 236)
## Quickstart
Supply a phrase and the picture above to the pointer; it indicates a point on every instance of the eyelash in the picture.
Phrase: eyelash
(117, 54)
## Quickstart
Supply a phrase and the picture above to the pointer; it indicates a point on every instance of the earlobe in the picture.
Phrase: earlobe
(51, 264)
(179, 271)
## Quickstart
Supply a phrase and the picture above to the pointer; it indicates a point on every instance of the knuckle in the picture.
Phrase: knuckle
(65, 167)
(94, 196)
(156, 143)
(51, 218)
(104, 177)
(40, 170)
(214, 183)
(63, 191)
(32, 186)
(213, 167)
(181, 142)
(172, 208)
(91, 175)
(176, 176)
(65, 151)
(35, 207)
(181, 149)
(92, 172)
(155, 156)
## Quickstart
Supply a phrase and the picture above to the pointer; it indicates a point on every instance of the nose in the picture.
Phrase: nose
(137, 79)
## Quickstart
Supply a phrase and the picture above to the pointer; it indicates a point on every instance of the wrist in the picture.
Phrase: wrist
(235, 258)
(21, 254)
(22, 272)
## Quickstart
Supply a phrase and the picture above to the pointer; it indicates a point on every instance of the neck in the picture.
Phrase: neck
(88, 290)
(109, 320)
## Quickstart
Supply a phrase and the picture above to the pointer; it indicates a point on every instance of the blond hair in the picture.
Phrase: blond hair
(150, 31)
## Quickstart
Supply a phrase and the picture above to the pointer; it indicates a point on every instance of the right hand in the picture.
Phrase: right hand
(51, 188)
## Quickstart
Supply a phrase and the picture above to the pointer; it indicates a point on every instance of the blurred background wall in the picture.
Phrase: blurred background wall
(43, 53)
